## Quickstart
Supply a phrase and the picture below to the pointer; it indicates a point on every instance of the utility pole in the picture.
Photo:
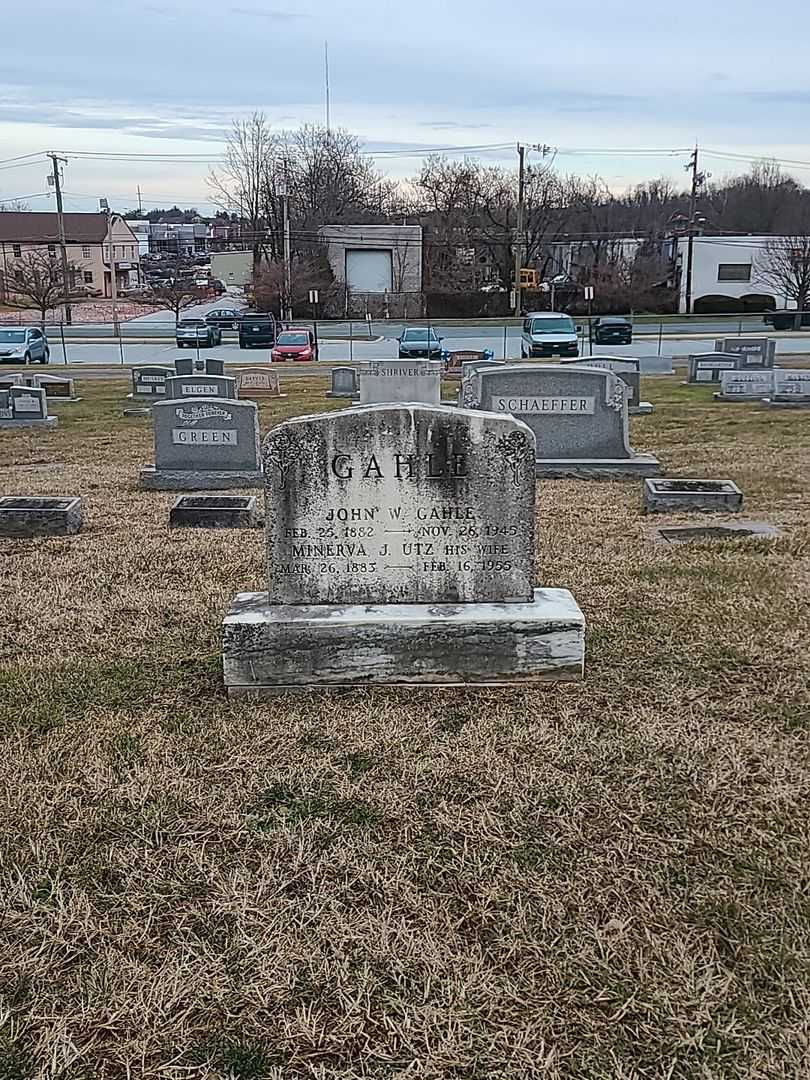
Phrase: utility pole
(60, 218)
(285, 208)
(519, 231)
(326, 83)
(140, 204)
(113, 281)
(697, 180)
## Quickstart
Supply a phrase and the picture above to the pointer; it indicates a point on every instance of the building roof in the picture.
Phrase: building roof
(27, 227)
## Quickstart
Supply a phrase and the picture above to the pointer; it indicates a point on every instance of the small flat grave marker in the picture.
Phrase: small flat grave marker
(672, 496)
(36, 515)
(744, 530)
(214, 512)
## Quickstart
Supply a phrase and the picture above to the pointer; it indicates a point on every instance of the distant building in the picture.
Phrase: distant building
(178, 239)
(93, 242)
(141, 230)
(374, 261)
(724, 274)
(232, 267)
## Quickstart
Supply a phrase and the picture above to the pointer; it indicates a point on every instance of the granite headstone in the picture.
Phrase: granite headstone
(149, 383)
(578, 416)
(745, 385)
(400, 550)
(791, 388)
(25, 406)
(204, 443)
(627, 368)
(400, 381)
(258, 382)
(707, 367)
(344, 383)
(754, 352)
(212, 386)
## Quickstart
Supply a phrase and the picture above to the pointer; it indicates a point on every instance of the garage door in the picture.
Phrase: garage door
(368, 271)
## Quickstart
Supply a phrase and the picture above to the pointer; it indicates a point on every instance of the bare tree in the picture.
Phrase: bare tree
(246, 178)
(36, 278)
(176, 295)
(784, 267)
(14, 206)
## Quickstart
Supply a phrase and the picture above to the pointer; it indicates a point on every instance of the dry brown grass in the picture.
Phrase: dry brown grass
(605, 880)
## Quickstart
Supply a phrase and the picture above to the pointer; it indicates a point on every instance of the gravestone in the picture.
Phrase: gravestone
(212, 386)
(468, 391)
(791, 388)
(25, 406)
(745, 385)
(149, 383)
(26, 515)
(344, 383)
(753, 352)
(184, 365)
(204, 444)
(675, 496)
(57, 389)
(214, 366)
(627, 368)
(214, 512)
(651, 364)
(707, 367)
(454, 361)
(400, 545)
(258, 383)
(400, 381)
(578, 416)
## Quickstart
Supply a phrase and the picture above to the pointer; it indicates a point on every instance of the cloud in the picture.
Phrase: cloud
(264, 13)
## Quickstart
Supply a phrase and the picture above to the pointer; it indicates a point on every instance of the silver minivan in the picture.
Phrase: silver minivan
(549, 333)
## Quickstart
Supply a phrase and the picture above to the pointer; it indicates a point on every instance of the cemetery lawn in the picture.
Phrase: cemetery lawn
(596, 880)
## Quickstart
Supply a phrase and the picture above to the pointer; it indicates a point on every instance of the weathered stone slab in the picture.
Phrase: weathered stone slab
(214, 512)
(578, 416)
(400, 381)
(25, 406)
(627, 369)
(204, 444)
(384, 504)
(36, 515)
(743, 530)
(344, 383)
(270, 648)
(707, 367)
(256, 383)
(754, 352)
(673, 496)
(745, 385)
(652, 364)
(791, 388)
(149, 382)
(211, 386)
(57, 389)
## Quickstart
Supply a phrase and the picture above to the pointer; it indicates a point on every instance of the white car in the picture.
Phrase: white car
(23, 345)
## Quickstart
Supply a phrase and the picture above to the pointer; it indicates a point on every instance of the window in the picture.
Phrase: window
(88, 277)
(85, 251)
(734, 272)
(52, 250)
(16, 251)
(19, 275)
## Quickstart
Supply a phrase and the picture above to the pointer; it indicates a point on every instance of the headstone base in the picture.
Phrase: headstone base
(145, 411)
(348, 397)
(46, 422)
(644, 408)
(675, 496)
(598, 468)
(197, 480)
(755, 398)
(271, 648)
(773, 403)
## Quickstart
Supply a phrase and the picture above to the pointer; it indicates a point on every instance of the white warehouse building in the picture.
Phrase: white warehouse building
(724, 274)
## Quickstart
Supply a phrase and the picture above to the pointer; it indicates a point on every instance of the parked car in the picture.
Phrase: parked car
(198, 333)
(419, 341)
(785, 320)
(612, 330)
(257, 329)
(224, 318)
(549, 333)
(296, 343)
(23, 345)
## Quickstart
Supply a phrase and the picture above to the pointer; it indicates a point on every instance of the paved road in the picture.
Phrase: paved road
(127, 353)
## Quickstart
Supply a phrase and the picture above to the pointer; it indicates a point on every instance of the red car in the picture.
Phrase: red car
(297, 343)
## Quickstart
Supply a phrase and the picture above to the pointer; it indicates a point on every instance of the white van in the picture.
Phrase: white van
(549, 333)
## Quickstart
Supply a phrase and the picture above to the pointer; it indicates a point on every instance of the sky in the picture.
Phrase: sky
(602, 84)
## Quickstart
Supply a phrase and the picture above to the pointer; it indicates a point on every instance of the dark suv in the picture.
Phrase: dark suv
(257, 329)
(612, 330)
